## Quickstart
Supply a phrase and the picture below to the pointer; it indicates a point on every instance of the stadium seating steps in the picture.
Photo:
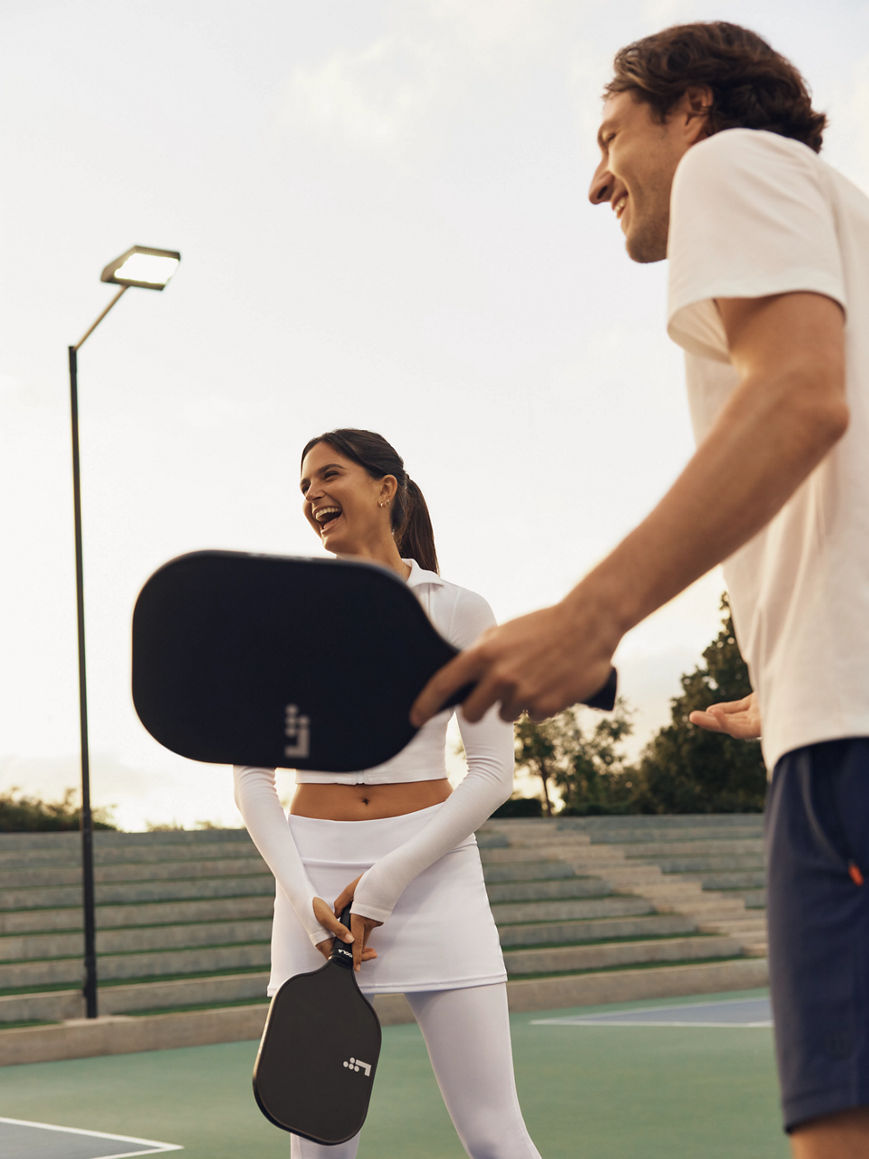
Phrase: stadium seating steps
(590, 911)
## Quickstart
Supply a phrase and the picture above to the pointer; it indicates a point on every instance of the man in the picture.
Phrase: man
(708, 158)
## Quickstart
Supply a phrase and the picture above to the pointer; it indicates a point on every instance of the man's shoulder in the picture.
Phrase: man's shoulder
(742, 150)
(760, 139)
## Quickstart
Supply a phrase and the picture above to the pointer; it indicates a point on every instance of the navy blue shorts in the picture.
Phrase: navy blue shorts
(817, 846)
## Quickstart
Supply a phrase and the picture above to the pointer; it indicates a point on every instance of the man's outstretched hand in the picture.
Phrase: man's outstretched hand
(540, 663)
(737, 718)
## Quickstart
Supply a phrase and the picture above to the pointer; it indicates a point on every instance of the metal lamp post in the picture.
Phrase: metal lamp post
(148, 269)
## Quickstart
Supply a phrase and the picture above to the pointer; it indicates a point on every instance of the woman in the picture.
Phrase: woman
(395, 839)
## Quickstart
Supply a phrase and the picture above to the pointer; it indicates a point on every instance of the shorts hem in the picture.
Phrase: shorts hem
(801, 1112)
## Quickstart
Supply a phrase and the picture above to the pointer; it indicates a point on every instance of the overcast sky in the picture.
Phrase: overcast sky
(381, 209)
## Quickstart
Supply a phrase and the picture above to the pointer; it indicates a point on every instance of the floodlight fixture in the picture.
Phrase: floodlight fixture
(142, 266)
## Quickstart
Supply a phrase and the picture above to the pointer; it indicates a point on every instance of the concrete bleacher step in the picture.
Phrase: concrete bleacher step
(132, 939)
(145, 964)
(570, 959)
(536, 870)
(131, 872)
(545, 890)
(136, 998)
(139, 891)
(696, 847)
(588, 909)
(670, 863)
(69, 918)
(609, 905)
(609, 929)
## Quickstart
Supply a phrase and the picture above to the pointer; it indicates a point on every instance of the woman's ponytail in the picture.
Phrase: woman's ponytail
(415, 538)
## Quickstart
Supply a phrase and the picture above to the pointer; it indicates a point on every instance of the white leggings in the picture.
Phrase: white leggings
(467, 1033)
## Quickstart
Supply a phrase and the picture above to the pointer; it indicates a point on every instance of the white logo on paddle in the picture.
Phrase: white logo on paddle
(358, 1064)
(297, 729)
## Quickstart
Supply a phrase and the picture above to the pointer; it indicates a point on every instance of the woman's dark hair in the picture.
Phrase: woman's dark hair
(753, 86)
(411, 523)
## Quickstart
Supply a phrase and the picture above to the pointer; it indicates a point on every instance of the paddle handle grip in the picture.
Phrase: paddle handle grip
(341, 952)
(604, 698)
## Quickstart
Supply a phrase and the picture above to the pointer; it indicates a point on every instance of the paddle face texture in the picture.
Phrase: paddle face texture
(277, 661)
(285, 662)
(315, 1068)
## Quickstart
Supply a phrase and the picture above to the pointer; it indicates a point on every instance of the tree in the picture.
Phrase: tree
(585, 765)
(28, 814)
(685, 769)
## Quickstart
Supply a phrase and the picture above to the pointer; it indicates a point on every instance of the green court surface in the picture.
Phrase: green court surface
(661, 1080)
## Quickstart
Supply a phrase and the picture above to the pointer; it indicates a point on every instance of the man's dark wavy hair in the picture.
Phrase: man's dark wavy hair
(753, 86)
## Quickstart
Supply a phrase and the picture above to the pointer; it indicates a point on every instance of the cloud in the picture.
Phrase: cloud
(369, 97)
(438, 57)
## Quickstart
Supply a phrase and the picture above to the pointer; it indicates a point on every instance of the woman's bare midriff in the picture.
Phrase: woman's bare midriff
(336, 802)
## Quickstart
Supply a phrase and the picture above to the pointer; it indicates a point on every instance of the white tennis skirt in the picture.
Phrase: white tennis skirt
(441, 934)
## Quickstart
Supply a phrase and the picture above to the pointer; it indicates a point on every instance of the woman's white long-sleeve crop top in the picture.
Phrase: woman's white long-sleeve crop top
(461, 616)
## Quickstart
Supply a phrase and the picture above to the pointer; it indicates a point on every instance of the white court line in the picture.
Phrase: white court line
(646, 1022)
(156, 1148)
(613, 1017)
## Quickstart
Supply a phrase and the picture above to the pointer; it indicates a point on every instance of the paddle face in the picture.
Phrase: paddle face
(275, 661)
(316, 1063)
(284, 662)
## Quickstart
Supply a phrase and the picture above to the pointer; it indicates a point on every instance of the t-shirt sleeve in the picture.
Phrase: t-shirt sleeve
(749, 218)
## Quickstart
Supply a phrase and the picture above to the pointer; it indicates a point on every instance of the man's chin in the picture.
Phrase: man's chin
(644, 248)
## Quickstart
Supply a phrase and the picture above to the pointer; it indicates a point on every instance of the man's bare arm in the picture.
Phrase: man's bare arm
(788, 410)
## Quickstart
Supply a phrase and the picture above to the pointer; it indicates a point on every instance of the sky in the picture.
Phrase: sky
(382, 215)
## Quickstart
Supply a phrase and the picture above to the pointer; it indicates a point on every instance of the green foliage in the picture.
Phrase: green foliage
(520, 807)
(585, 764)
(685, 769)
(20, 814)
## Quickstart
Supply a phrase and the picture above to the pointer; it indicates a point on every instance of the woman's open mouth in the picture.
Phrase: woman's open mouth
(326, 517)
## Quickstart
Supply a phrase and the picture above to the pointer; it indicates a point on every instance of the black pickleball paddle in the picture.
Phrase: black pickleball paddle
(284, 662)
(315, 1068)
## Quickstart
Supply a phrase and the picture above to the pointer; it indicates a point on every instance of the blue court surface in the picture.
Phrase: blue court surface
(667, 1079)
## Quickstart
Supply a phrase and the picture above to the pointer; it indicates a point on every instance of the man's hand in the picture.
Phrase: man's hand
(539, 663)
(737, 718)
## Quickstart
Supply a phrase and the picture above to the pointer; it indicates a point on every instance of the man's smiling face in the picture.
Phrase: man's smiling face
(639, 156)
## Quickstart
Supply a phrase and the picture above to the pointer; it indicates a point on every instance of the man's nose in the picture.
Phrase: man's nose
(601, 186)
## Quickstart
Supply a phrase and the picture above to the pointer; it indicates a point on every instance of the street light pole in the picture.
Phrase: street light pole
(87, 852)
(136, 276)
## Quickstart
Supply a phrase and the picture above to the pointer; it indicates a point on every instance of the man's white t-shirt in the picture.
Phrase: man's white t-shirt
(754, 214)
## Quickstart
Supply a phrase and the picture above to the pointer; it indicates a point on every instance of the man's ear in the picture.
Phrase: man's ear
(694, 106)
